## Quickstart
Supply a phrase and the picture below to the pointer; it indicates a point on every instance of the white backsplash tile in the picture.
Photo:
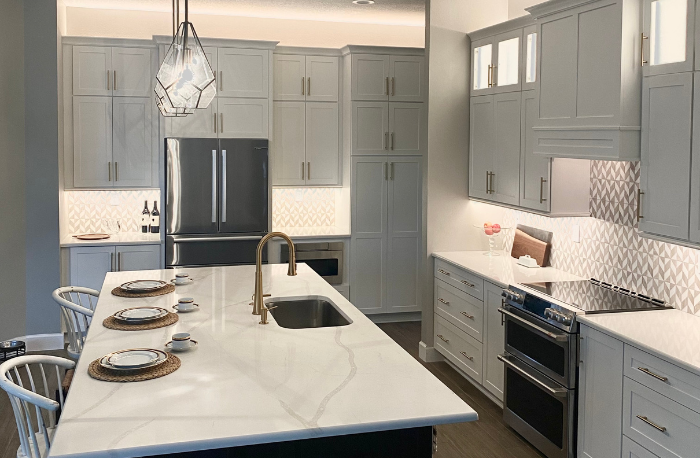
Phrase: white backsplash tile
(85, 210)
(303, 207)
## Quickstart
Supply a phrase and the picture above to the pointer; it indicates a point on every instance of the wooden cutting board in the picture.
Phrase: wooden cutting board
(524, 244)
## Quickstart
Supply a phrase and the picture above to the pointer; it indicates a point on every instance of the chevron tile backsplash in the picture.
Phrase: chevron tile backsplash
(85, 210)
(303, 207)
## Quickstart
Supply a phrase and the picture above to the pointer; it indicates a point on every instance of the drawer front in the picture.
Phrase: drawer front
(659, 424)
(460, 279)
(460, 309)
(461, 349)
(631, 449)
(659, 375)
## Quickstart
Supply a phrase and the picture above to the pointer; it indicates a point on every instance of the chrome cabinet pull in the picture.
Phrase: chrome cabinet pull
(387, 85)
(493, 75)
(444, 272)
(392, 141)
(109, 171)
(391, 170)
(542, 182)
(652, 424)
(444, 301)
(308, 170)
(214, 122)
(386, 171)
(470, 358)
(490, 75)
(640, 193)
(471, 285)
(491, 190)
(557, 392)
(112, 267)
(393, 86)
(644, 37)
(115, 80)
(302, 86)
(213, 186)
(302, 170)
(119, 262)
(221, 80)
(386, 140)
(116, 171)
(471, 317)
(488, 175)
(308, 85)
(442, 338)
(656, 376)
(108, 75)
(221, 123)
(223, 185)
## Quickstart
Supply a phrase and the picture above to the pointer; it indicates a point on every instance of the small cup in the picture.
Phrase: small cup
(185, 303)
(181, 279)
(181, 341)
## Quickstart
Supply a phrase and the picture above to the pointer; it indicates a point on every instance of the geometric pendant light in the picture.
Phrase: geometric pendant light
(185, 80)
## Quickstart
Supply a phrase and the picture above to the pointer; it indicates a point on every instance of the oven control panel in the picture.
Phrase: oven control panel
(559, 316)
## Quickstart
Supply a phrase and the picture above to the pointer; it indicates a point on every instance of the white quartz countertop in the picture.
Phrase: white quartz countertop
(246, 383)
(121, 238)
(672, 335)
(504, 269)
(329, 232)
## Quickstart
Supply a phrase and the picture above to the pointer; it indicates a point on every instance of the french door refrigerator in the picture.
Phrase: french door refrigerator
(217, 200)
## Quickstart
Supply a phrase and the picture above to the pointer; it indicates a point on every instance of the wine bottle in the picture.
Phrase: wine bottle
(145, 217)
(155, 218)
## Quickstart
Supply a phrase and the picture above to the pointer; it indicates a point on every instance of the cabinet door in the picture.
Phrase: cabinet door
(482, 66)
(132, 141)
(289, 77)
(668, 32)
(92, 142)
(494, 340)
(695, 173)
(407, 79)
(243, 118)
(322, 150)
(243, 72)
(529, 65)
(131, 72)
(481, 145)
(138, 257)
(506, 75)
(92, 70)
(534, 168)
(368, 244)
(89, 265)
(321, 79)
(289, 144)
(630, 449)
(666, 136)
(369, 77)
(407, 128)
(202, 123)
(600, 395)
(557, 69)
(404, 236)
(370, 127)
(505, 180)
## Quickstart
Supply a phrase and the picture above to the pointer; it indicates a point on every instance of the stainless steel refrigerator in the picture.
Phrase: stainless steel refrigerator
(216, 193)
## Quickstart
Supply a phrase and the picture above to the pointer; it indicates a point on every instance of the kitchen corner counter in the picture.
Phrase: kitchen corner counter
(502, 270)
(122, 238)
(323, 232)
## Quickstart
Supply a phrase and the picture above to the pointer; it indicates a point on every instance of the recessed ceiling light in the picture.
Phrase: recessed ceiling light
(363, 2)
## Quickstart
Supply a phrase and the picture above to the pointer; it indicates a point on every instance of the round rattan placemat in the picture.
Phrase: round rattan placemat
(159, 292)
(106, 375)
(112, 323)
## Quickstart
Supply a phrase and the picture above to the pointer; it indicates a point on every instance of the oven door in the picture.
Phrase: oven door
(541, 345)
(539, 409)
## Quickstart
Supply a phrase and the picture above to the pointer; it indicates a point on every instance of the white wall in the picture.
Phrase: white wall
(516, 8)
(145, 24)
(12, 238)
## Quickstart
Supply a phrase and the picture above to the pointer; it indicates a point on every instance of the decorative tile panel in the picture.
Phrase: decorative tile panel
(303, 207)
(85, 210)
(614, 188)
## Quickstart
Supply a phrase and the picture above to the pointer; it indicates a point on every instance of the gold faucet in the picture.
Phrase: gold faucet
(259, 307)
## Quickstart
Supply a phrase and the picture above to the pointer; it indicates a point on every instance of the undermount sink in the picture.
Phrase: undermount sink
(306, 313)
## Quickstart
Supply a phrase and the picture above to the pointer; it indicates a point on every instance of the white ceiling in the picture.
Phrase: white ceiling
(406, 12)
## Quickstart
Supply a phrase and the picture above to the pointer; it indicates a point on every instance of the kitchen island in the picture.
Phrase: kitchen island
(254, 389)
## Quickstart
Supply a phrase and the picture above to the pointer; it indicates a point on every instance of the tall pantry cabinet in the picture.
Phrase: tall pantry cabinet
(385, 132)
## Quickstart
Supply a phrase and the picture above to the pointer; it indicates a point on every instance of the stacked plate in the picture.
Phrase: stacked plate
(143, 286)
(140, 315)
(136, 359)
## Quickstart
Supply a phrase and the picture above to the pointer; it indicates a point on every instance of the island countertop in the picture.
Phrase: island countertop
(246, 383)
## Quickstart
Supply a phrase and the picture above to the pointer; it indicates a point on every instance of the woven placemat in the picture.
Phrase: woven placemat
(167, 289)
(167, 320)
(106, 375)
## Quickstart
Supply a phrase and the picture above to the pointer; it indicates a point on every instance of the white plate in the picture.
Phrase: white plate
(138, 358)
(140, 314)
(193, 345)
(142, 285)
(177, 308)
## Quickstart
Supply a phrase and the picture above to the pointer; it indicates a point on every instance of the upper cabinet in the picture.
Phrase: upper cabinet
(112, 71)
(496, 63)
(386, 74)
(306, 78)
(589, 79)
(243, 72)
(668, 36)
(529, 65)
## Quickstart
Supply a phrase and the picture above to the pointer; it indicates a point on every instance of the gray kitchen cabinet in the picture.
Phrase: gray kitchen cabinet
(92, 141)
(243, 73)
(370, 128)
(481, 146)
(407, 134)
(242, 117)
(203, 123)
(668, 36)
(137, 257)
(663, 197)
(589, 82)
(407, 78)
(370, 77)
(695, 161)
(383, 74)
(534, 169)
(305, 77)
(600, 395)
(289, 144)
(529, 58)
(88, 265)
(494, 338)
(112, 71)
(132, 140)
(388, 128)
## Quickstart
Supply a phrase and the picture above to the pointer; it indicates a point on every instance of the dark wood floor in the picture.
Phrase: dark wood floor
(487, 438)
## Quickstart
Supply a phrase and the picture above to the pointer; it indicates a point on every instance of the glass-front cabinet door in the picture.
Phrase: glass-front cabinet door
(506, 73)
(529, 57)
(482, 67)
(668, 36)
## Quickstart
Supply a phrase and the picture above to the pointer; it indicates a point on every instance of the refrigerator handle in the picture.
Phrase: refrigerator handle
(223, 185)
(213, 186)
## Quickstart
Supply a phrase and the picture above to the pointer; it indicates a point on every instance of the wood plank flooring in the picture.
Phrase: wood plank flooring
(487, 438)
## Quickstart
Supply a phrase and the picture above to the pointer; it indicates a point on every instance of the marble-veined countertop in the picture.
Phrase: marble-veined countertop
(121, 238)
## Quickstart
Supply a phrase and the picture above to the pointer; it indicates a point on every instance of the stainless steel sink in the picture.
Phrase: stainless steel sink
(306, 313)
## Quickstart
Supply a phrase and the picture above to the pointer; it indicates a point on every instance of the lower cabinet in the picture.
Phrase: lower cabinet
(631, 449)
(494, 338)
(89, 265)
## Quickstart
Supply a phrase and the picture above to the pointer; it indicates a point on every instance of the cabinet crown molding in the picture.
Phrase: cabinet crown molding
(114, 42)
(397, 51)
(555, 6)
(513, 24)
(223, 42)
(307, 51)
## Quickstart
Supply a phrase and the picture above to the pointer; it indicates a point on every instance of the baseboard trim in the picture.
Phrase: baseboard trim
(395, 317)
(43, 342)
(429, 354)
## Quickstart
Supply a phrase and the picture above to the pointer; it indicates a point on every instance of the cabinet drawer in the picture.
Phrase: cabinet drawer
(460, 279)
(631, 449)
(657, 423)
(461, 349)
(460, 309)
(659, 375)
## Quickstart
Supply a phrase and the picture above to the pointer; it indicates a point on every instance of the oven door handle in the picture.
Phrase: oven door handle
(556, 392)
(557, 337)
